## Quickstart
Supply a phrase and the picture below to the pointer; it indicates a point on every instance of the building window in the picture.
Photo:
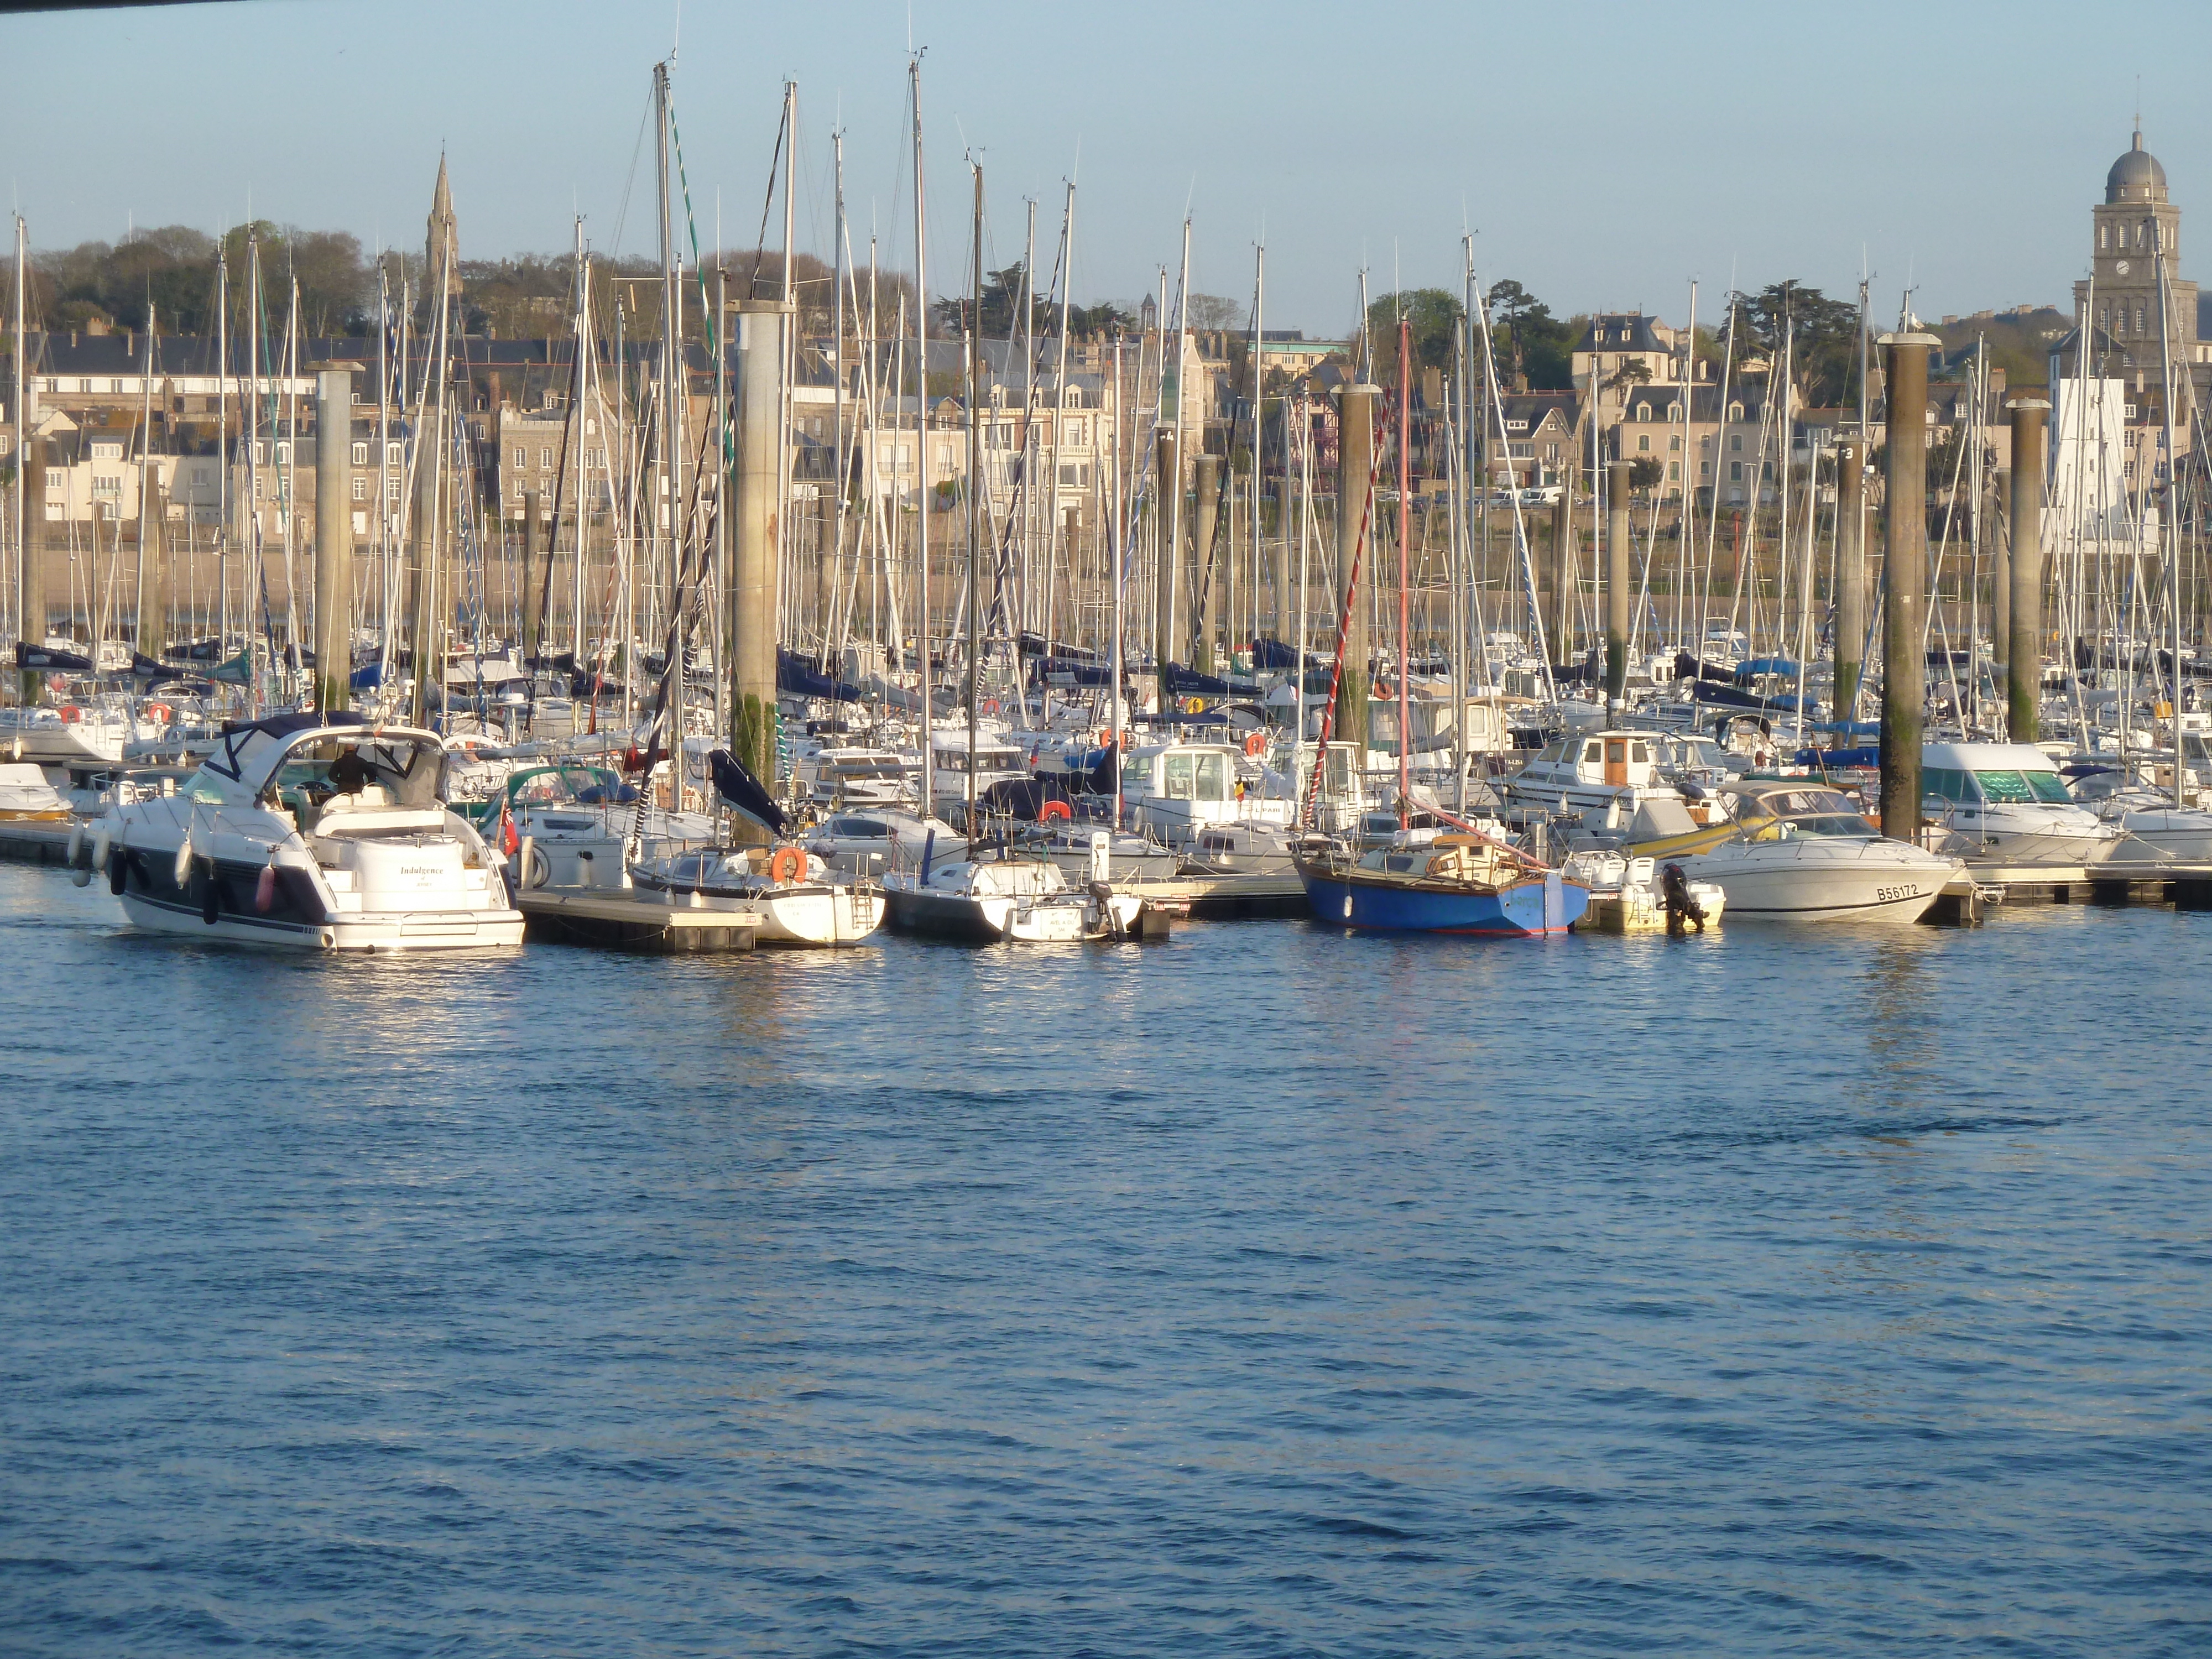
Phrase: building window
(1705, 469)
(1735, 472)
(1643, 445)
(2102, 234)
(521, 456)
(392, 489)
(1736, 444)
(1644, 412)
(545, 457)
(2139, 320)
(284, 455)
(1674, 443)
(359, 487)
(361, 455)
(1673, 472)
(392, 454)
(1735, 411)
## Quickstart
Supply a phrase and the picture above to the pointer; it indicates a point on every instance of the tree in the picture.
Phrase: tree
(1822, 335)
(1526, 335)
(1435, 314)
(1644, 472)
(1212, 313)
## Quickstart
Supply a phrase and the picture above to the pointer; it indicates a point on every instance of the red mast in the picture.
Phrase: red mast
(1404, 534)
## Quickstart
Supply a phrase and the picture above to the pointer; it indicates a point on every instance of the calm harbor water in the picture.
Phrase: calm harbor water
(1267, 1291)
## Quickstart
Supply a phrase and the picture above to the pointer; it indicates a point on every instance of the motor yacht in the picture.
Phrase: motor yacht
(1804, 853)
(2007, 804)
(313, 831)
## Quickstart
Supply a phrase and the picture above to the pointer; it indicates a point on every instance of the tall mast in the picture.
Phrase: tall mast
(1059, 415)
(145, 474)
(1405, 539)
(672, 456)
(974, 493)
(22, 436)
(2169, 526)
(222, 450)
(837, 406)
(921, 426)
(1258, 440)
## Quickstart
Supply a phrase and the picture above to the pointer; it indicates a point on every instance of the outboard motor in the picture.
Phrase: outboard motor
(1683, 910)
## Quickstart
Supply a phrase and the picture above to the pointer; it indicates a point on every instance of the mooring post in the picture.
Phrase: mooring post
(2024, 663)
(1904, 562)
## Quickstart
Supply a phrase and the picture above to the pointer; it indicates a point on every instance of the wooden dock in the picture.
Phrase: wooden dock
(627, 921)
(2184, 886)
(31, 844)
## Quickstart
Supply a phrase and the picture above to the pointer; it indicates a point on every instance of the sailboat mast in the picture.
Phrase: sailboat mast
(1405, 538)
(2169, 526)
(145, 475)
(975, 494)
(921, 428)
(22, 434)
(1259, 439)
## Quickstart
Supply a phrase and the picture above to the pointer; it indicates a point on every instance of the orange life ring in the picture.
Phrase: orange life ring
(788, 865)
(1055, 812)
(1256, 744)
(71, 714)
(161, 712)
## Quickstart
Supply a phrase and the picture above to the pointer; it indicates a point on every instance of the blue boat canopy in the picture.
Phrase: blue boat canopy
(1765, 665)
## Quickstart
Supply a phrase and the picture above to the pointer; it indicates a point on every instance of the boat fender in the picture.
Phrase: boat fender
(210, 897)
(75, 845)
(1055, 812)
(100, 840)
(1256, 744)
(264, 889)
(181, 872)
(789, 864)
(118, 866)
(1193, 706)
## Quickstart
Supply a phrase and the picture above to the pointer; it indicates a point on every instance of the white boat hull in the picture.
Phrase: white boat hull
(1809, 882)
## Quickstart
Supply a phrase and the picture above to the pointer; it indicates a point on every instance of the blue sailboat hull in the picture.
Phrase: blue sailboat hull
(1528, 909)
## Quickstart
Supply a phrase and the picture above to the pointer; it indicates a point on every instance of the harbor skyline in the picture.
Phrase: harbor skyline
(1737, 150)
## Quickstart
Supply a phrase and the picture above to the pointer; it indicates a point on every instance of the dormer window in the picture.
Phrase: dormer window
(1735, 411)
(1644, 412)
(1674, 411)
(1516, 426)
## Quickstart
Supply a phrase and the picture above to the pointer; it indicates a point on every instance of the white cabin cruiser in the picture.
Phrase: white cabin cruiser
(1608, 774)
(2007, 804)
(1174, 791)
(315, 831)
(1804, 853)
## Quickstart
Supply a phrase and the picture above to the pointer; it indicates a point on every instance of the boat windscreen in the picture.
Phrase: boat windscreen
(2009, 787)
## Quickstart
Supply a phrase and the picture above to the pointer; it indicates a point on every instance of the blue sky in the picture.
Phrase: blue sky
(1605, 154)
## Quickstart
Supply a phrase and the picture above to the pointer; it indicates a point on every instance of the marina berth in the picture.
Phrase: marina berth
(311, 831)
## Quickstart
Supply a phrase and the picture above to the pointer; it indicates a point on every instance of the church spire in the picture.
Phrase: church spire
(441, 242)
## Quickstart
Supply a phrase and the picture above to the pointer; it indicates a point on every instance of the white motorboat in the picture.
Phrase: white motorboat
(28, 801)
(1802, 853)
(313, 831)
(2006, 804)
(791, 891)
(1608, 774)
(1024, 899)
(2158, 831)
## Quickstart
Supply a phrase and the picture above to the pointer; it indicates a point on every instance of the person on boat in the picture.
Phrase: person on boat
(350, 774)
